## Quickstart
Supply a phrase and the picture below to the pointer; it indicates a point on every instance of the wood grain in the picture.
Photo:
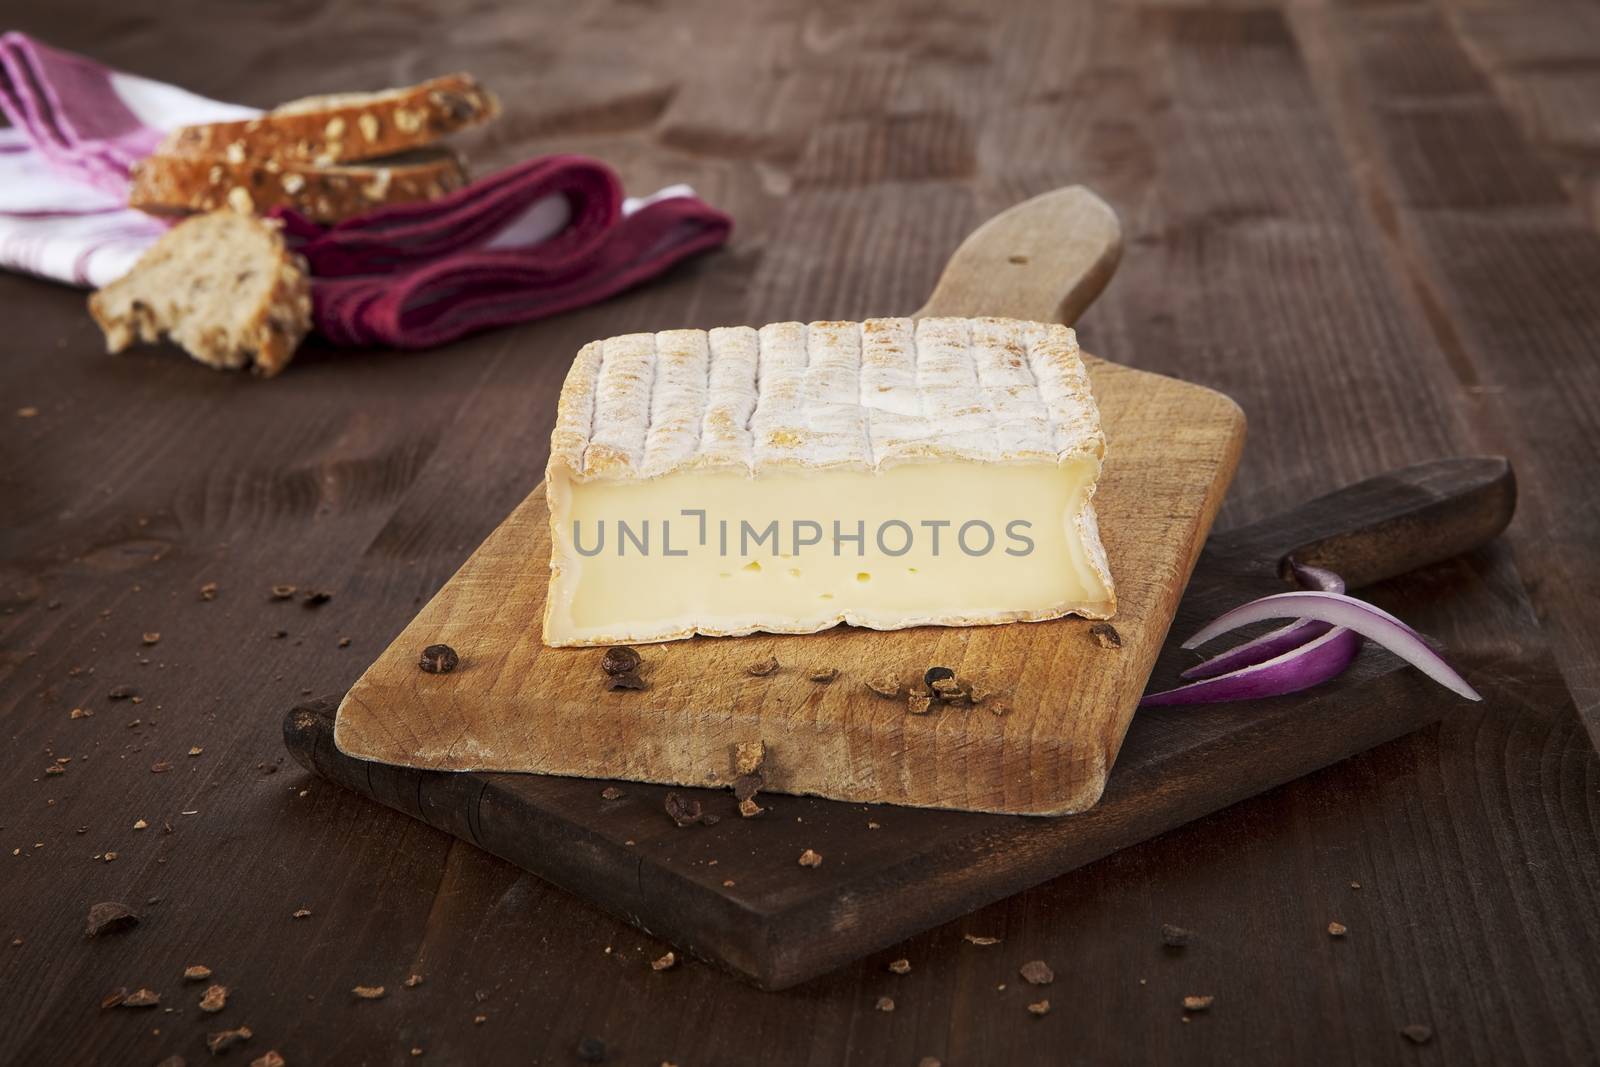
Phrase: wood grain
(1272, 252)
(1043, 260)
(874, 889)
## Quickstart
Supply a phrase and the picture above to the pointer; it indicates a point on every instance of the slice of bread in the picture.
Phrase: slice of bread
(223, 285)
(178, 185)
(343, 128)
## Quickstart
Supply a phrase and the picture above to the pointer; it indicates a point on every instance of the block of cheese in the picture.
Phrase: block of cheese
(885, 474)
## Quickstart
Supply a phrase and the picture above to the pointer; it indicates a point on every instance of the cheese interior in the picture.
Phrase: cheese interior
(1011, 548)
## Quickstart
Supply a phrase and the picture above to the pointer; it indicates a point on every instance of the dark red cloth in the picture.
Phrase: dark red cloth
(418, 275)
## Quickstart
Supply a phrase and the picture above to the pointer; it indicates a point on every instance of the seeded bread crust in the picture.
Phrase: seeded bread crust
(343, 128)
(180, 185)
(222, 285)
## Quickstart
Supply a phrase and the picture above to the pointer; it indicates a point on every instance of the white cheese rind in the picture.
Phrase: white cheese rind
(794, 398)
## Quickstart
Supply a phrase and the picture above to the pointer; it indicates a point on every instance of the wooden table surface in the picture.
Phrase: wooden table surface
(1373, 224)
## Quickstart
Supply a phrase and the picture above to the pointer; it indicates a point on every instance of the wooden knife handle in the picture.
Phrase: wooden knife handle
(1388, 525)
(1045, 259)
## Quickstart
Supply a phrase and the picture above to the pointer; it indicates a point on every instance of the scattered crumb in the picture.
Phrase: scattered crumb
(1106, 635)
(226, 1039)
(1037, 972)
(664, 963)
(195, 751)
(610, 792)
(109, 917)
(763, 667)
(151, 637)
(79, 713)
(978, 939)
(197, 972)
(749, 757)
(749, 809)
(886, 685)
(160, 766)
(369, 992)
(141, 998)
(412, 981)
(808, 858)
(344, 642)
(901, 966)
(27, 412)
(919, 703)
(874, 826)
(929, 1061)
(1337, 929)
(208, 591)
(140, 824)
(685, 811)
(315, 598)
(727, 883)
(1355, 885)
(215, 998)
(301, 913)
(283, 592)
(825, 674)
(885, 1004)
(273, 1058)
(1174, 936)
(1039, 1007)
(1418, 1033)
(1197, 1003)
(625, 680)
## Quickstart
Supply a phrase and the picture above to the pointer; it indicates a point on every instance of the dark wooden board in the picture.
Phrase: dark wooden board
(1340, 214)
(779, 924)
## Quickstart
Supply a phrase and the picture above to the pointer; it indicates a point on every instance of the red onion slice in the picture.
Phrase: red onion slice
(1309, 664)
(1276, 642)
(1340, 610)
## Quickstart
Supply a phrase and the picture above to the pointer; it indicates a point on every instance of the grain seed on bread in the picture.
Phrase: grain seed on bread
(344, 127)
(178, 185)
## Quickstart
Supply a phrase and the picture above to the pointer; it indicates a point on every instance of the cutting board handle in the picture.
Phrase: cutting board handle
(1045, 259)
(1385, 526)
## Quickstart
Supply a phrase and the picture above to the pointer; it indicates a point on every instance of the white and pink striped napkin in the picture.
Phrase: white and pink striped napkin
(76, 129)
(535, 239)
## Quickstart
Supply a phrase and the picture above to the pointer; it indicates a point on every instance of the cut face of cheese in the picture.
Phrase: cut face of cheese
(886, 474)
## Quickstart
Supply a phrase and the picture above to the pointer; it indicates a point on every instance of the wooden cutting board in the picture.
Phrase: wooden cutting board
(733, 893)
(516, 705)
